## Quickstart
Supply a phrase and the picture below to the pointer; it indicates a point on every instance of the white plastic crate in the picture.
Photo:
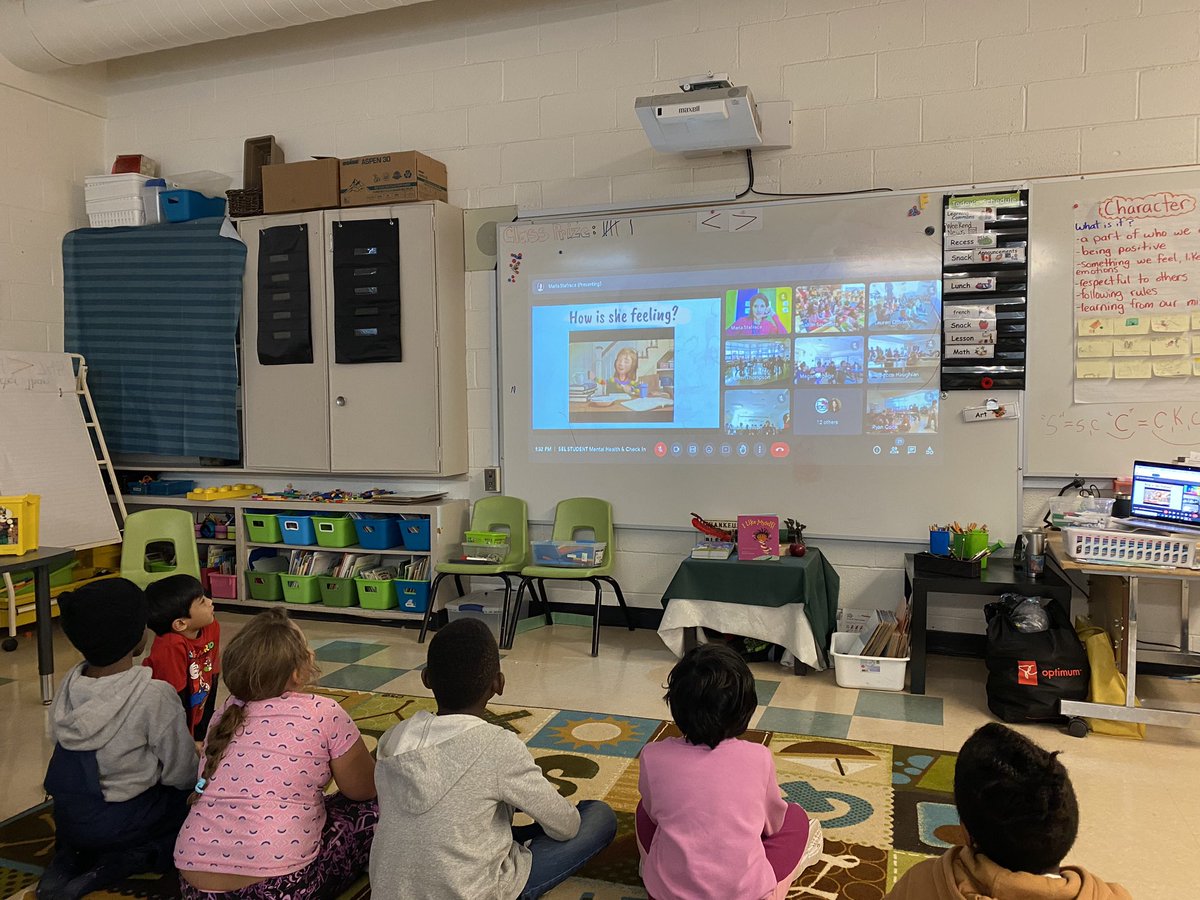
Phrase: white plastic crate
(117, 218)
(872, 673)
(1128, 548)
(112, 187)
(116, 204)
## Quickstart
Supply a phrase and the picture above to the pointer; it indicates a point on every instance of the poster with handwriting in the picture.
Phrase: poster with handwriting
(1137, 297)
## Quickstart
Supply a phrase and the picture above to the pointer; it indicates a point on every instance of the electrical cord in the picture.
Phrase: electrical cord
(1074, 484)
(750, 186)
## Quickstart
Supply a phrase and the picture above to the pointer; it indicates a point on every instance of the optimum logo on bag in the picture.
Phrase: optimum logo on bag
(1027, 671)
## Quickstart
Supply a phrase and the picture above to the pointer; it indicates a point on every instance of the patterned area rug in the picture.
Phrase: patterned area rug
(883, 807)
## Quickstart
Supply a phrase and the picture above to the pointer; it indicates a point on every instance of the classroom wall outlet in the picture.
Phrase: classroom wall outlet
(491, 480)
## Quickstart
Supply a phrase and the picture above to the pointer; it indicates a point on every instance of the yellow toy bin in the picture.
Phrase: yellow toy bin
(19, 524)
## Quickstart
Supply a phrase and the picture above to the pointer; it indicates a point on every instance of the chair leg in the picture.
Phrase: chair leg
(596, 616)
(504, 610)
(509, 630)
(621, 600)
(433, 589)
(458, 585)
(541, 583)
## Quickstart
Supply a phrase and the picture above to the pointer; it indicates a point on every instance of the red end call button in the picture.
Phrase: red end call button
(779, 450)
(660, 449)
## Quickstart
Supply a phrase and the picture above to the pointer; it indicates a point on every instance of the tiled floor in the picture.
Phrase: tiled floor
(1140, 801)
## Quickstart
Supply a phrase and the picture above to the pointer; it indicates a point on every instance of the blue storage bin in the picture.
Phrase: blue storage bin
(415, 533)
(297, 529)
(183, 205)
(378, 534)
(413, 596)
(170, 488)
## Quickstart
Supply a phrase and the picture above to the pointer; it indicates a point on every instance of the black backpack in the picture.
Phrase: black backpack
(1028, 674)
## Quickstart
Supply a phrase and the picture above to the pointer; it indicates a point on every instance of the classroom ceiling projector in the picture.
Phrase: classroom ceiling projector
(710, 115)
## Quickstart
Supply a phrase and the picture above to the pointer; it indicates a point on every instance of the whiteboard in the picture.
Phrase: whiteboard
(1100, 439)
(972, 474)
(45, 449)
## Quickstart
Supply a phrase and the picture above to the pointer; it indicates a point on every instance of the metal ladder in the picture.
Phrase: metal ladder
(104, 459)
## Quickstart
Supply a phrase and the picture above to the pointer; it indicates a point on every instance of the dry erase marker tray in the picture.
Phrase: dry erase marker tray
(1129, 548)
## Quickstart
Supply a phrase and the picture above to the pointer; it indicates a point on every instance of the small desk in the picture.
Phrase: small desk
(1126, 622)
(41, 562)
(791, 601)
(998, 578)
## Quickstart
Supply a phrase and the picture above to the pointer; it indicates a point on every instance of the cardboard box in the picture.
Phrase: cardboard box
(300, 186)
(392, 178)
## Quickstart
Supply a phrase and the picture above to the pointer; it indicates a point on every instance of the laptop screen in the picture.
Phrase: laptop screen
(1168, 492)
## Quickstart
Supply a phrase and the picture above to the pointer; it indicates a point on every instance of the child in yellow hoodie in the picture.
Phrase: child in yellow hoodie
(1019, 811)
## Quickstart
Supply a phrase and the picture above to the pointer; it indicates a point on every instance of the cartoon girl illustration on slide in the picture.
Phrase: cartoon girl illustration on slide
(625, 371)
(760, 320)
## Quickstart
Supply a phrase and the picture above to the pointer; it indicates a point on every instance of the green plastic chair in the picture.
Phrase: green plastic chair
(586, 514)
(152, 526)
(508, 514)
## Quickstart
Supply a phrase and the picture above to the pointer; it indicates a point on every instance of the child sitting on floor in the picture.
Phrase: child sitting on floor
(448, 786)
(260, 825)
(1019, 811)
(186, 652)
(123, 759)
(712, 822)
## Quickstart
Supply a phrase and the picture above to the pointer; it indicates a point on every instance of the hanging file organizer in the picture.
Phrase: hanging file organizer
(366, 291)
(284, 297)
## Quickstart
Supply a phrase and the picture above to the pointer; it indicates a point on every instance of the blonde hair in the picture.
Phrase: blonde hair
(258, 664)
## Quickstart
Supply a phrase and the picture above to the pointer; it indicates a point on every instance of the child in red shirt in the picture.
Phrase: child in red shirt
(186, 647)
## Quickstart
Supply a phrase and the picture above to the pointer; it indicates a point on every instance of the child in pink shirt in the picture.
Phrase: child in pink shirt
(260, 825)
(711, 822)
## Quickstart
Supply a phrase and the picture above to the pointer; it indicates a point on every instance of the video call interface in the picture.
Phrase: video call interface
(635, 366)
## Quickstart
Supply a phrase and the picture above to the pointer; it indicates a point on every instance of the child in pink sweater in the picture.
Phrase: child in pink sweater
(711, 822)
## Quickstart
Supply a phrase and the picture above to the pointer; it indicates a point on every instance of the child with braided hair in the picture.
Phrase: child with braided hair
(259, 825)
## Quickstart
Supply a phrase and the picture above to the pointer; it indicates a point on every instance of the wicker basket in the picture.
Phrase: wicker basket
(245, 203)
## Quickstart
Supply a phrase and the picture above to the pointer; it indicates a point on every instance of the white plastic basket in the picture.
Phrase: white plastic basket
(873, 673)
(1127, 548)
(117, 218)
(111, 187)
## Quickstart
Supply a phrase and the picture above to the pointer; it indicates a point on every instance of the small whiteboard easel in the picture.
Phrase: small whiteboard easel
(45, 449)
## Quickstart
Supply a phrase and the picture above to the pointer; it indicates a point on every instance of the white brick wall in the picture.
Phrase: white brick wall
(53, 135)
(534, 106)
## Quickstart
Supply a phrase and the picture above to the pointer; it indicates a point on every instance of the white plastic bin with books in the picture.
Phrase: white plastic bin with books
(872, 653)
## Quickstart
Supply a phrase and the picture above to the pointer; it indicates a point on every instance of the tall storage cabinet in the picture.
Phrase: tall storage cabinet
(339, 414)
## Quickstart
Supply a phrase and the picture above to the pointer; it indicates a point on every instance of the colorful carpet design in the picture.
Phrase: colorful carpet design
(883, 807)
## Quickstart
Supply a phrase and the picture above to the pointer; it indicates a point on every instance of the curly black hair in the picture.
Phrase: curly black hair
(711, 694)
(1015, 800)
(462, 662)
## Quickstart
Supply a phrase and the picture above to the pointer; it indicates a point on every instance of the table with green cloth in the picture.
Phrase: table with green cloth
(790, 601)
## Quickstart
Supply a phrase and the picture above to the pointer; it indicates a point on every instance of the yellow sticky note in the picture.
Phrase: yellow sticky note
(1131, 346)
(1196, 321)
(1089, 327)
(1169, 346)
(1196, 365)
(1173, 323)
(1131, 325)
(1093, 368)
(1096, 348)
(1132, 368)
(1171, 368)
(1196, 343)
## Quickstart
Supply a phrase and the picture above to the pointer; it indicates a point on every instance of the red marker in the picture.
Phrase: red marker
(986, 383)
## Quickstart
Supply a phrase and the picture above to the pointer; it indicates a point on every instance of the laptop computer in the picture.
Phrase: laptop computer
(1166, 496)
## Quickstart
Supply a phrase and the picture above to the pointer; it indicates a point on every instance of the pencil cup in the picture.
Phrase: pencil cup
(974, 542)
(939, 542)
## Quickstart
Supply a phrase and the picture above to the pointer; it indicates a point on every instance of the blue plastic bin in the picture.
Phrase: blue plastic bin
(378, 534)
(298, 529)
(415, 533)
(183, 205)
(412, 595)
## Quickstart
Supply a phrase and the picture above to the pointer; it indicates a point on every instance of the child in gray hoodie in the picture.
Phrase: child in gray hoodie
(449, 784)
(123, 762)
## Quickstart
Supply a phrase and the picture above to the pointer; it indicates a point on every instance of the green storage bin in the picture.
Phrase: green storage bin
(160, 567)
(335, 531)
(300, 588)
(373, 594)
(337, 591)
(263, 528)
(264, 585)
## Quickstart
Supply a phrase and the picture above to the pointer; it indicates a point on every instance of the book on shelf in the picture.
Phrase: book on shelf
(713, 550)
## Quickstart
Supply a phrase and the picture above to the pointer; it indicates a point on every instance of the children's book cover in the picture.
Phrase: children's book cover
(758, 537)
